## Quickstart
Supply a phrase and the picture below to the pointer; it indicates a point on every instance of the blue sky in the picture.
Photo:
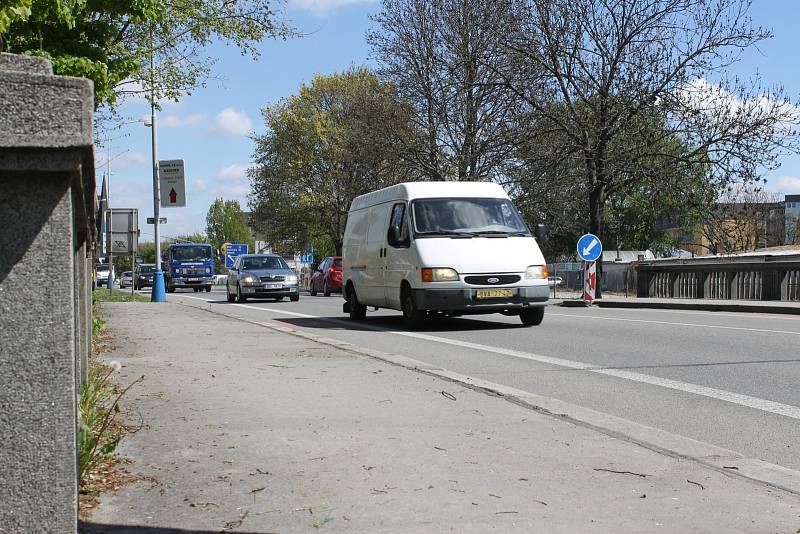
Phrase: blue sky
(209, 129)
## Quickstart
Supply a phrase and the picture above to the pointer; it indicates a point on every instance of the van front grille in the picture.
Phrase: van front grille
(497, 279)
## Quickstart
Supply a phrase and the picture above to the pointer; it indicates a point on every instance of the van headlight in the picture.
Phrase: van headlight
(536, 272)
(439, 274)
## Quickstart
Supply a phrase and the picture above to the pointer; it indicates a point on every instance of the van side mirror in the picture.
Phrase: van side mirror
(541, 233)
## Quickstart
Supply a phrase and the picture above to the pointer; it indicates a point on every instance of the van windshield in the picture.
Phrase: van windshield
(467, 217)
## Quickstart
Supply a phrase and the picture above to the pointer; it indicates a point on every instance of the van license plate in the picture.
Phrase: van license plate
(494, 293)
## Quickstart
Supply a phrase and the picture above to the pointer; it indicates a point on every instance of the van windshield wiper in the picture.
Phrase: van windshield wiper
(502, 233)
(448, 233)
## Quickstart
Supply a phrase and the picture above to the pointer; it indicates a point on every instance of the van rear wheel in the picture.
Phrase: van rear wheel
(532, 316)
(358, 311)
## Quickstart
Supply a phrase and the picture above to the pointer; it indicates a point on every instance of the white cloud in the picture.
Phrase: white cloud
(119, 161)
(235, 172)
(233, 123)
(321, 8)
(786, 185)
(176, 121)
(201, 186)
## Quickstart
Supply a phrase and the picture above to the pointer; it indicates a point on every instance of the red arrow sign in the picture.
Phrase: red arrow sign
(173, 196)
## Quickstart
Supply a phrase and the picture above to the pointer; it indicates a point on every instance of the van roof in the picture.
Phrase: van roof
(412, 190)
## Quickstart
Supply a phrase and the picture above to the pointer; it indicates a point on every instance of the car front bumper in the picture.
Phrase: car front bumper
(465, 300)
(260, 291)
(193, 281)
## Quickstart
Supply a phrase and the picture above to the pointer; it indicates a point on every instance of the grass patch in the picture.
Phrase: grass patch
(98, 405)
(101, 294)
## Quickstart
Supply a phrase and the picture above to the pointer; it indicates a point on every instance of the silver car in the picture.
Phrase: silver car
(261, 276)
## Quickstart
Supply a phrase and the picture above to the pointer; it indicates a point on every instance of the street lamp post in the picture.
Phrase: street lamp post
(158, 294)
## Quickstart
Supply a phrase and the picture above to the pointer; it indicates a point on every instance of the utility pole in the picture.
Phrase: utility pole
(158, 294)
(110, 281)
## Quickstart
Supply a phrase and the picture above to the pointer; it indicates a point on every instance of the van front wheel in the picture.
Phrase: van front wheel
(411, 315)
(532, 316)
(358, 311)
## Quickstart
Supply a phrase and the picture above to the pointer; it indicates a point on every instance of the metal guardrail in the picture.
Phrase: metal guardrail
(746, 277)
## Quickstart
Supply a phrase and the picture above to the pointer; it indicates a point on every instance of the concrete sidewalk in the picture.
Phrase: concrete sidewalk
(748, 306)
(253, 430)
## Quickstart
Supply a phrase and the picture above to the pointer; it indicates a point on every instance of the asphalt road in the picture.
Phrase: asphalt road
(730, 379)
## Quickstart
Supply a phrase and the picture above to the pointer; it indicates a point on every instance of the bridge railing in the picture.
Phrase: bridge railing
(742, 277)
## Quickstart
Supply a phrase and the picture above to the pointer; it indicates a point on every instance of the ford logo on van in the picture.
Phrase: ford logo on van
(493, 280)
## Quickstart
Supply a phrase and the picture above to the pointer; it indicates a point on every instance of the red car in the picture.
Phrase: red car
(327, 278)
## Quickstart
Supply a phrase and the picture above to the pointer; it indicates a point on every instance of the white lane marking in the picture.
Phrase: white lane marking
(726, 314)
(695, 325)
(756, 403)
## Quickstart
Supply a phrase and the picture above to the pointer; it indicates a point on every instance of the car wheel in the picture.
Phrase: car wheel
(171, 289)
(411, 315)
(231, 298)
(532, 316)
(208, 289)
(312, 289)
(239, 296)
(294, 298)
(358, 311)
(325, 290)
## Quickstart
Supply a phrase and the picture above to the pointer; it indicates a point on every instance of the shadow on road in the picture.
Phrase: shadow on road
(95, 528)
(443, 324)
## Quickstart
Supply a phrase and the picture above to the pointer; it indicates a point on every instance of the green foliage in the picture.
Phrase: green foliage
(12, 11)
(111, 41)
(226, 222)
(340, 137)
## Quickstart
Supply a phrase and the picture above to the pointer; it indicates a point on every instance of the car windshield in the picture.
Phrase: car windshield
(146, 269)
(337, 262)
(126, 273)
(191, 253)
(102, 268)
(255, 263)
(466, 216)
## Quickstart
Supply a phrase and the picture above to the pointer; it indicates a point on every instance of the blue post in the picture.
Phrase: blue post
(110, 279)
(158, 294)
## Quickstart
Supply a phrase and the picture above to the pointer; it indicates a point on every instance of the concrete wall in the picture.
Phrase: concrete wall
(46, 203)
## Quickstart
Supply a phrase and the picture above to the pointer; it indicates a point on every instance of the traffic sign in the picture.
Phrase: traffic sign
(589, 247)
(173, 183)
(161, 220)
(307, 259)
(232, 250)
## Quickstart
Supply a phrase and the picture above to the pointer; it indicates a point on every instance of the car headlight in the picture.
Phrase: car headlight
(249, 279)
(439, 274)
(291, 279)
(536, 272)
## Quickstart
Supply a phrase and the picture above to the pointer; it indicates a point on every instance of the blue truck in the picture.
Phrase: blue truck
(189, 265)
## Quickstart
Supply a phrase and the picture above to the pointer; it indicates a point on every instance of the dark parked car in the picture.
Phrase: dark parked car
(328, 277)
(261, 276)
(144, 275)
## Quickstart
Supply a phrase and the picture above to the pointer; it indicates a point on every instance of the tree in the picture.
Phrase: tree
(226, 223)
(110, 41)
(438, 55)
(336, 139)
(614, 66)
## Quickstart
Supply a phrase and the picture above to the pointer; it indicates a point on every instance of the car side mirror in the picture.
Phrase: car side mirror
(541, 233)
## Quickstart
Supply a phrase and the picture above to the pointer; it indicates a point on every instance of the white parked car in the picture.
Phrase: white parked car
(220, 279)
(450, 248)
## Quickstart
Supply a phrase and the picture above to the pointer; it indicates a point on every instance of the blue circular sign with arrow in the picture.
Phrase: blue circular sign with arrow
(589, 247)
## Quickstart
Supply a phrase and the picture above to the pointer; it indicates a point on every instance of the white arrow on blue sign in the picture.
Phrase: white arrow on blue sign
(233, 250)
(589, 247)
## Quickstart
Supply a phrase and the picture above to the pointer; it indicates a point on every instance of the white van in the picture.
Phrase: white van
(450, 248)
